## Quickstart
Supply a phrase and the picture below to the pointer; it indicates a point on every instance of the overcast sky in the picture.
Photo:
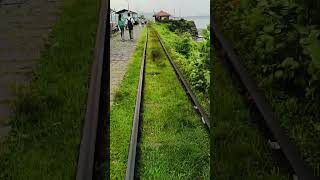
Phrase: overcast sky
(188, 7)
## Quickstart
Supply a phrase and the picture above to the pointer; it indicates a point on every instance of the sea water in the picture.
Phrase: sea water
(201, 21)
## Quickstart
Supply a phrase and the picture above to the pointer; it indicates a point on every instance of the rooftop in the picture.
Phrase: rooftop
(162, 14)
(125, 10)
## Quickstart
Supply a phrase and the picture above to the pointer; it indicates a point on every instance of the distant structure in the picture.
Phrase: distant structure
(162, 15)
(113, 19)
(124, 13)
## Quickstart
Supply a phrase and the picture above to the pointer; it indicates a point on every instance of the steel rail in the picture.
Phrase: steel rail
(197, 106)
(97, 99)
(265, 109)
(130, 172)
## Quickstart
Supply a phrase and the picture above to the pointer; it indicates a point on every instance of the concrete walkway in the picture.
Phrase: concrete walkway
(24, 29)
(120, 54)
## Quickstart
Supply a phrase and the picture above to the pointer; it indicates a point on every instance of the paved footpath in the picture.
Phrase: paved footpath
(24, 29)
(120, 55)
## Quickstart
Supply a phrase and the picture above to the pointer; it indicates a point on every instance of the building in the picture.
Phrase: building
(124, 13)
(162, 15)
(113, 19)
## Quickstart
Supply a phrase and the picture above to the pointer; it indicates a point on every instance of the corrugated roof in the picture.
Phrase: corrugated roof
(125, 10)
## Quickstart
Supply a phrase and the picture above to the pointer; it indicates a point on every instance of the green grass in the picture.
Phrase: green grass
(174, 143)
(239, 151)
(47, 127)
(122, 112)
(170, 40)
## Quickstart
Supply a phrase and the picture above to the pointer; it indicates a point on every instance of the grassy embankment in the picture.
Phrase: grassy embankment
(239, 150)
(122, 112)
(47, 129)
(192, 58)
(174, 143)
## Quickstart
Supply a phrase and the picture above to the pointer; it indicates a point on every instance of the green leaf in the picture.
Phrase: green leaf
(312, 46)
(268, 28)
(289, 62)
(278, 74)
(301, 29)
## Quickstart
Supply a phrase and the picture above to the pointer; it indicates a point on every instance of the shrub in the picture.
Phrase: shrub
(182, 26)
(279, 42)
(192, 57)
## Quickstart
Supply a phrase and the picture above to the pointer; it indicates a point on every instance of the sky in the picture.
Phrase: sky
(188, 7)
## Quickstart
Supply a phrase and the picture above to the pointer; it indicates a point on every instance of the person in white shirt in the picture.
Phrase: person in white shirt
(130, 22)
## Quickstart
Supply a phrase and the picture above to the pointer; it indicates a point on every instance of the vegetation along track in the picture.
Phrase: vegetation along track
(148, 102)
(279, 139)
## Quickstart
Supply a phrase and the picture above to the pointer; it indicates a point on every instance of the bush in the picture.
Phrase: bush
(182, 26)
(184, 45)
(279, 42)
(192, 57)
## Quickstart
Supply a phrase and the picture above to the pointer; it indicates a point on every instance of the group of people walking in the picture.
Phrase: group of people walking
(126, 23)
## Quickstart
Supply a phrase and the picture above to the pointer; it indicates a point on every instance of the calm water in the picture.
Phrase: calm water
(201, 21)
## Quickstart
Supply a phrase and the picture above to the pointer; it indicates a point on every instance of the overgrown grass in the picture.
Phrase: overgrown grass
(122, 112)
(238, 149)
(193, 69)
(174, 143)
(47, 129)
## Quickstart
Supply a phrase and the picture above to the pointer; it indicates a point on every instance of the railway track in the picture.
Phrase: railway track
(279, 139)
(204, 117)
(93, 157)
(132, 154)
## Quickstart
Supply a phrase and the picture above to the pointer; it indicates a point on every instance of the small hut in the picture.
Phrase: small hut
(162, 15)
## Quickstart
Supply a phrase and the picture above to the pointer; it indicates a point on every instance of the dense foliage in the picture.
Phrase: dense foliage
(182, 26)
(191, 56)
(279, 41)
